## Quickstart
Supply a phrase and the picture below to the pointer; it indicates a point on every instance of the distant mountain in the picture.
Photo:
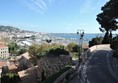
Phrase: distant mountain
(11, 29)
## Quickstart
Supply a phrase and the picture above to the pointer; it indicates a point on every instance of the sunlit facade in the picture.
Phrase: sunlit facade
(4, 53)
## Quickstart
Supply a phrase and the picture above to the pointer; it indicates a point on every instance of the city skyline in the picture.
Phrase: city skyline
(52, 16)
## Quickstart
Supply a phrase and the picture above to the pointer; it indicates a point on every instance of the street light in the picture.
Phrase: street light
(48, 40)
(81, 35)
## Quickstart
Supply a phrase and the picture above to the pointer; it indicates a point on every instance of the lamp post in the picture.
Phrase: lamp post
(48, 39)
(81, 35)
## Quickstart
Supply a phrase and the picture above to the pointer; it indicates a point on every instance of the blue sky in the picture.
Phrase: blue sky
(57, 16)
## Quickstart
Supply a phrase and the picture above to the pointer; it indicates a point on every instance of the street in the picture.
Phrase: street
(97, 69)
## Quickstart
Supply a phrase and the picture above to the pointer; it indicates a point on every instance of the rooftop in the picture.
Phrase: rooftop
(25, 55)
(2, 63)
(2, 45)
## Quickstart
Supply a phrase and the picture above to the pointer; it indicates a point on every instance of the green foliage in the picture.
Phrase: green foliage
(114, 46)
(115, 53)
(21, 51)
(108, 19)
(74, 55)
(47, 49)
(106, 22)
(58, 51)
(52, 78)
(114, 43)
(13, 48)
(74, 50)
(111, 8)
(73, 47)
(10, 78)
(34, 50)
(95, 41)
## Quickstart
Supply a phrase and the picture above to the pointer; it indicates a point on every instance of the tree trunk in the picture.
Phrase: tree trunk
(110, 37)
(106, 38)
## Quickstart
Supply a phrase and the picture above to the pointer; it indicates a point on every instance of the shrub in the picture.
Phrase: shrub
(95, 41)
(21, 51)
(114, 46)
(10, 78)
(114, 43)
(58, 51)
(47, 49)
(13, 48)
(75, 55)
(73, 47)
(115, 53)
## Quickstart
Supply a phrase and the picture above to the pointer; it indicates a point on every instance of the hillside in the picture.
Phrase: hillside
(11, 29)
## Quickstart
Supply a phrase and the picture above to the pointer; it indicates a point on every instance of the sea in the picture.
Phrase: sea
(86, 38)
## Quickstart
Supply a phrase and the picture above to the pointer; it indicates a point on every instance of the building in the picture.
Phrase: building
(2, 63)
(4, 53)
(29, 75)
(24, 61)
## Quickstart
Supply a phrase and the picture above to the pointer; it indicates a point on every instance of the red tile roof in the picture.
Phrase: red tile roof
(2, 45)
(2, 64)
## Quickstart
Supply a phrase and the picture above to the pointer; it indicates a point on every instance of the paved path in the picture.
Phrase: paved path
(97, 69)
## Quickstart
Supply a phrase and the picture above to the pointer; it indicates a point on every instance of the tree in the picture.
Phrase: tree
(107, 19)
(95, 41)
(21, 51)
(13, 48)
(111, 8)
(33, 51)
(46, 49)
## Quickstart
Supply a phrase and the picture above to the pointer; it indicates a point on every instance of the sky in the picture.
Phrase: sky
(52, 16)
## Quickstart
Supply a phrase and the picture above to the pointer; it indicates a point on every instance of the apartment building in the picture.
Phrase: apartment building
(4, 53)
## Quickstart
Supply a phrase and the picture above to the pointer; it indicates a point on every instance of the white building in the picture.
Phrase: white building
(4, 53)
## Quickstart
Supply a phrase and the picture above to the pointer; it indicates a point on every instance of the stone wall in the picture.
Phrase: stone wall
(28, 75)
(50, 65)
(67, 76)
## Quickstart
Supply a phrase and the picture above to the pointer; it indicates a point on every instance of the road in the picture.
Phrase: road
(97, 68)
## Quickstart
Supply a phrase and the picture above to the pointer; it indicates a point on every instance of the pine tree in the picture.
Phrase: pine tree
(108, 19)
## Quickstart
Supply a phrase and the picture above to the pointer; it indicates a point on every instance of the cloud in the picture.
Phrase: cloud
(40, 6)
